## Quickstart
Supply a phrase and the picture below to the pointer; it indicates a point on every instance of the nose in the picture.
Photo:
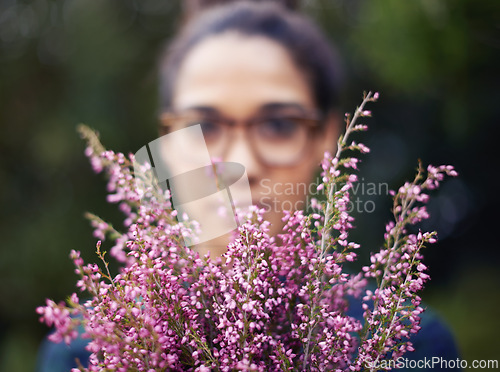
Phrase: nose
(239, 150)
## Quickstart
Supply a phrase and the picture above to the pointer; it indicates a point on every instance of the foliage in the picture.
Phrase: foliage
(269, 303)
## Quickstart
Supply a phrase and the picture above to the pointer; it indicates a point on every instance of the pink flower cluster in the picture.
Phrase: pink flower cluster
(269, 304)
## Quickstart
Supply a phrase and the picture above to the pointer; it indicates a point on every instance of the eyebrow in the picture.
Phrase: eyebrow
(268, 107)
(203, 109)
(274, 106)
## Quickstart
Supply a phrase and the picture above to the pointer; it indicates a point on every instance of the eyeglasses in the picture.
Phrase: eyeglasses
(277, 139)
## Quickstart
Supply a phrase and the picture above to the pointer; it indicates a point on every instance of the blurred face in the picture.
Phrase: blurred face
(261, 102)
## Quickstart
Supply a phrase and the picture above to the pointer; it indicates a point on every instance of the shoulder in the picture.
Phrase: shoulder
(435, 345)
(60, 357)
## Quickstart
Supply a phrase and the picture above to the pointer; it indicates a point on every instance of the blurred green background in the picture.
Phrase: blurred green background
(64, 62)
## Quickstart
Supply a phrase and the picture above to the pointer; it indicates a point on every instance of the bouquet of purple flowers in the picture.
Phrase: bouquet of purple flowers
(270, 303)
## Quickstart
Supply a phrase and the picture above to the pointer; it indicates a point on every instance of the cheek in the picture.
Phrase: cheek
(288, 190)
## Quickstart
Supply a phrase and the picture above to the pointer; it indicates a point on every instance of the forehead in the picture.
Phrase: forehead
(237, 74)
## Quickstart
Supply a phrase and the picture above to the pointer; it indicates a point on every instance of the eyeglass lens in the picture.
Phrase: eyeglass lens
(277, 140)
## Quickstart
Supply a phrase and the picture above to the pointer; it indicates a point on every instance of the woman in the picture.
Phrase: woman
(263, 82)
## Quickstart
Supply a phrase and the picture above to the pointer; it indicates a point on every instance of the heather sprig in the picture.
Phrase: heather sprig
(270, 303)
(332, 250)
(392, 311)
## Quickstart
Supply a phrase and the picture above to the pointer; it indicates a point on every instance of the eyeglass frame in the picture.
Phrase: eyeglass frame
(314, 122)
